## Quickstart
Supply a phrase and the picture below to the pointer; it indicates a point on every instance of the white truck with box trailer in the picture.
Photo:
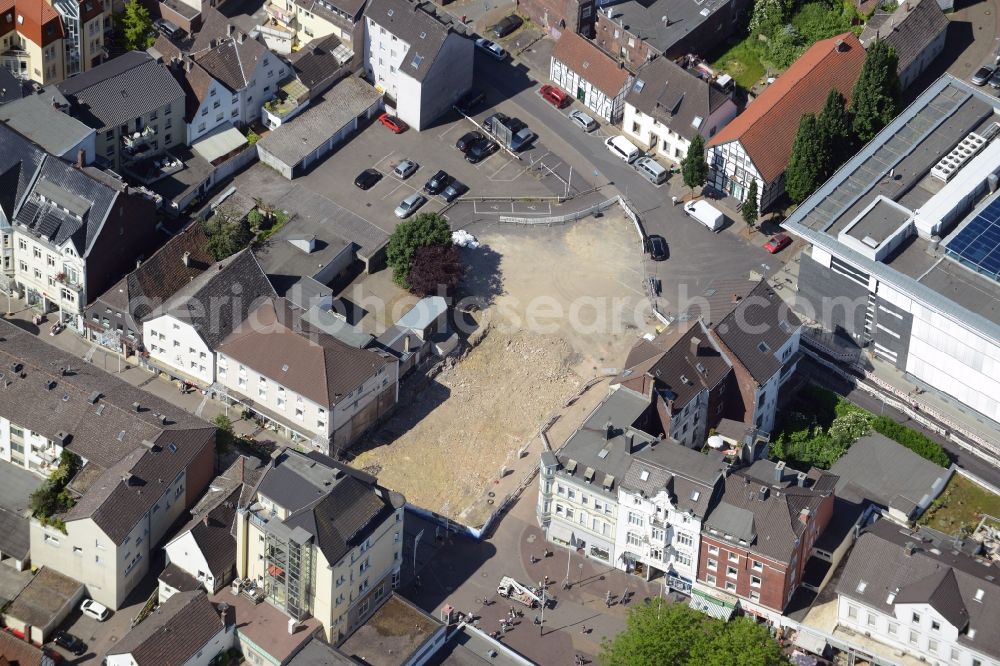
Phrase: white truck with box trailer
(706, 213)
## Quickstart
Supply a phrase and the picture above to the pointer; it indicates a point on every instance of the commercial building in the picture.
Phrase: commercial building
(417, 58)
(319, 539)
(903, 247)
(668, 105)
(757, 145)
(306, 383)
(143, 462)
(589, 75)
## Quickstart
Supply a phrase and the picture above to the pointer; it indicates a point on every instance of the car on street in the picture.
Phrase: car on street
(491, 48)
(507, 25)
(69, 642)
(583, 121)
(994, 80)
(657, 247)
(438, 182)
(553, 95)
(454, 190)
(481, 150)
(777, 243)
(410, 204)
(392, 122)
(368, 178)
(405, 169)
(524, 138)
(95, 610)
(982, 75)
(470, 101)
(466, 140)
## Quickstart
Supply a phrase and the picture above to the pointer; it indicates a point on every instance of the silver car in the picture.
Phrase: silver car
(410, 204)
(405, 169)
(583, 121)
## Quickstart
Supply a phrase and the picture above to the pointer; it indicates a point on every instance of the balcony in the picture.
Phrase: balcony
(282, 16)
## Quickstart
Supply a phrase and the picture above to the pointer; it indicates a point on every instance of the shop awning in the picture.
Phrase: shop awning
(810, 642)
(711, 606)
(560, 532)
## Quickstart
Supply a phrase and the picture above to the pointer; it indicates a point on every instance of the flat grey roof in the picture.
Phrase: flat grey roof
(36, 117)
(896, 165)
(879, 222)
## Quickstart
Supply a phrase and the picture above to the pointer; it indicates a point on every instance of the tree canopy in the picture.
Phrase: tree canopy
(835, 137)
(435, 270)
(876, 97)
(694, 168)
(749, 209)
(136, 27)
(660, 633)
(227, 232)
(423, 230)
(805, 166)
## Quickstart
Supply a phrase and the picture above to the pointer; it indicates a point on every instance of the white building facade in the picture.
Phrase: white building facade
(177, 344)
(608, 104)
(664, 141)
(30, 450)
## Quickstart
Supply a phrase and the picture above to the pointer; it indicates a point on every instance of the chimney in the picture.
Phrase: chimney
(841, 46)
(630, 442)
(695, 346)
(609, 430)
(804, 516)
(274, 457)
(230, 28)
(406, 343)
(223, 611)
(186, 259)
(801, 479)
(241, 37)
(779, 471)
(126, 478)
(762, 493)
(188, 63)
(81, 158)
(204, 521)
(135, 406)
(909, 548)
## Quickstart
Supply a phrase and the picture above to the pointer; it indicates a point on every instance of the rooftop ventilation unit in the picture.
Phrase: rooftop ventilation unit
(966, 149)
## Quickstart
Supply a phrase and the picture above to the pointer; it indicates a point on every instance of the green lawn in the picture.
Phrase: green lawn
(958, 508)
(742, 62)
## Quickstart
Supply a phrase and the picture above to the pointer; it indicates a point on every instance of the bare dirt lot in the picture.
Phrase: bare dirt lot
(568, 308)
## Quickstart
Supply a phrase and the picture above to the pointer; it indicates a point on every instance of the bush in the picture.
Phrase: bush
(52, 498)
(423, 230)
(225, 436)
(915, 441)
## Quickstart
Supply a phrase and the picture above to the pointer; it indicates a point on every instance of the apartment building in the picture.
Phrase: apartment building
(32, 41)
(918, 596)
(627, 498)
(590, 75)
(74, 230)
(417, 58)
(307, 383)
(307, 20)
(144, 461)
(135, 105)
(916, 30)
(182, 334)
(757, 144)
(668, 105)
(247, 71)
(320, 539)
(756, 541)
(87, 26)
(44, 119)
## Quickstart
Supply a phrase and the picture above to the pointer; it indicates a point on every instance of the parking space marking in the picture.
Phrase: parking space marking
(481, 207)
(532, 208)
(399, 184)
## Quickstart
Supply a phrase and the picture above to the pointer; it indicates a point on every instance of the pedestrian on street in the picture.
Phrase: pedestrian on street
(583, 629)
(546, 581)
(607, 599)
(674, 199)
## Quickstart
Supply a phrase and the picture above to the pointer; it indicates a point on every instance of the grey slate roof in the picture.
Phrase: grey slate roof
(691, 476)
(39, 603)
(318, 653)
(338, 505)
(644, 19)
(681, 374)
(878, 469)
(175, 577)
(120, 90)
(36, 117)
(315, 63)
(14, 535)
(674, 96)
(234, 62)
(65, 203)
(173, 633)
(10, 87)
(756, 328)
(918, 567)
(20, 160)
(413, 24)
(908, 30)
(212, 531)
(232, 287)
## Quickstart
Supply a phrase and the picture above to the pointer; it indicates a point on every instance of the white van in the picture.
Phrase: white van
(623, 148)
(705, 213)
(652, 170)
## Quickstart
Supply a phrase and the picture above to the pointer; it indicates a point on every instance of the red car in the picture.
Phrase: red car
(392, 122)
(777, 243)
(553, 96)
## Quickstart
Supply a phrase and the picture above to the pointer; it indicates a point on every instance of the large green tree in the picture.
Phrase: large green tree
(136, 27)
(660, 633)
(876, 97)
(227, 232)
(834, 127)
(423, 230)
(805, 167)
(435, 270)
(694, 168)
(749, 209)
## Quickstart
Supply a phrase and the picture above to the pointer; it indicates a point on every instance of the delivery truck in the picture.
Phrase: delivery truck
(705, 213)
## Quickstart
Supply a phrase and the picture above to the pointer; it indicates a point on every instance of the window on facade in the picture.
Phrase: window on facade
(710, 579)
(712, 564)
(733, 557)
(754, 595)
(916, 618)
(754, 581)
(935, 625)
(914, 638)
(634, 519)
(730, 586)
(713, 550)
(731, 572)
(871, 619)
(684, 539)
(633, 539)
(757, 565)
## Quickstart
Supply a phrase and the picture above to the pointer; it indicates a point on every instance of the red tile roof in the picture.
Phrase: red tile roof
(768, 125)
(591, 63)
(36, 20)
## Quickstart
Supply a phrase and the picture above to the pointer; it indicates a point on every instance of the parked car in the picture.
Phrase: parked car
(481, 150)
(93, 609)
(507, 25)
(70, 642)
(522, 139)
(470, 101)
(405, 169)
(777, 243)
(466, 140)
(392, 122)
(368, 178)
(410, 204)
(515, 125)
(657, 246)
(994, 80)
(438, 182)
(493, 49)
(583, 121)
(497, 117)
(982, 75)
(553, 96)
(454, 190)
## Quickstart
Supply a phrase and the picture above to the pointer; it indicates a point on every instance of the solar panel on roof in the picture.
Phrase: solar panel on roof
(977, 246)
